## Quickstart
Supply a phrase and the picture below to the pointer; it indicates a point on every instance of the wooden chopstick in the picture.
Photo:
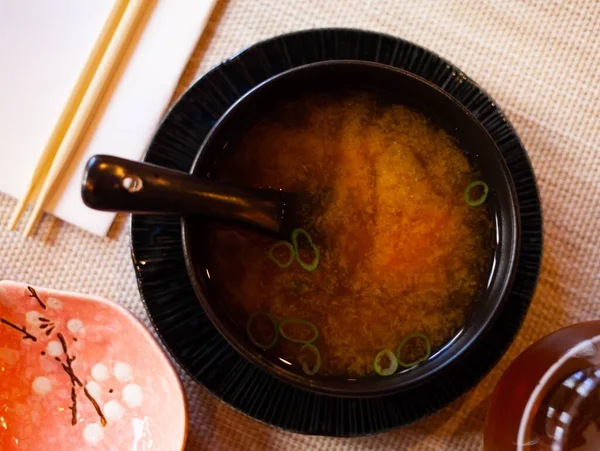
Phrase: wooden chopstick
(68, 111)
(89, 105)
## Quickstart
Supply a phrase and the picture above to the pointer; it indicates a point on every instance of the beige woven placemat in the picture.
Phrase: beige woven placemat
(539, 59)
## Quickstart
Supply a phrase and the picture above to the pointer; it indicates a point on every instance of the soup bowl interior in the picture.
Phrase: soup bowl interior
(399, 87)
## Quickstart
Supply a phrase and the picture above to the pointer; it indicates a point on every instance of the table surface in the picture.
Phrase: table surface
(539, 59)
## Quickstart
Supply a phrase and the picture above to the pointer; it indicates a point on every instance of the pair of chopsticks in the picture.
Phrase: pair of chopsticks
(78, 112)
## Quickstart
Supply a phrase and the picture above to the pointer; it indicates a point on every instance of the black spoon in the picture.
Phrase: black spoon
(116, 184)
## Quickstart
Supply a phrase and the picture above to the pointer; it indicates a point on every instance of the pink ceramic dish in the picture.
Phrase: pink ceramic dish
(79, 372)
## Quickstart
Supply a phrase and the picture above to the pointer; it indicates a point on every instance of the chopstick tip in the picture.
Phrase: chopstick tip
(33, 220)
(17, 213)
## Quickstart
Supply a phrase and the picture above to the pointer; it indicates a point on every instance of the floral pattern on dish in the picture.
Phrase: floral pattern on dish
(81, 372)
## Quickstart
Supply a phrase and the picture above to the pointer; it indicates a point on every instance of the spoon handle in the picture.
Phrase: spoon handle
(116, 184)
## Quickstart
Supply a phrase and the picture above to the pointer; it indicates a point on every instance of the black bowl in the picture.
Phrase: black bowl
(402, 87)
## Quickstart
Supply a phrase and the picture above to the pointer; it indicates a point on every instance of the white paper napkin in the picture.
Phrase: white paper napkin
(43, 46)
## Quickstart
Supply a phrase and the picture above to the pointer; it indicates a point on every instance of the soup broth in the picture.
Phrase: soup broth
(401, 250)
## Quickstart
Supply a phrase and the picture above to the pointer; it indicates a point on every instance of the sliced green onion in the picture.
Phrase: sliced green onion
(393, 363)
(476, 202)
(316, 366)
(406, 340)
(255, 315)
(285, 321)
(286, 264)
(307, 266)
